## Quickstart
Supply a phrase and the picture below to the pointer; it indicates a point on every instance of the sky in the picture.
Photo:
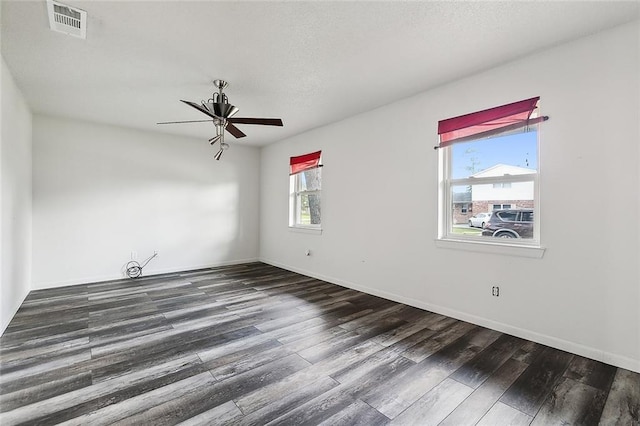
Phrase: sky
(519, 149)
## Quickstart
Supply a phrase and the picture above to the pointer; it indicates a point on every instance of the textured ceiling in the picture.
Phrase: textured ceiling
(309, 63)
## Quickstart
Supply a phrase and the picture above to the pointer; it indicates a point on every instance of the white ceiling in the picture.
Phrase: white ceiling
(309, 63)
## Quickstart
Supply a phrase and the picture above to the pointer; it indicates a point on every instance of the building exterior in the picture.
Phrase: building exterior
(489, 197)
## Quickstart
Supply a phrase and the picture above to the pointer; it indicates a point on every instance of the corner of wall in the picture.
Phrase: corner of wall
(15, 198)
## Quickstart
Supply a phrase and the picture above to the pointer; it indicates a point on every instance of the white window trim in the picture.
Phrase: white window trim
(446, 239)
(530, 251)
(305, 230)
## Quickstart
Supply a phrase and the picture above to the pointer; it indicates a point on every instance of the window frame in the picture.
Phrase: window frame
(295, 195)
(445, 200)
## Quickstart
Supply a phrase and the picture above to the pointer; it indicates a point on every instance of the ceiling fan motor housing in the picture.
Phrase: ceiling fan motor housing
(219, 109)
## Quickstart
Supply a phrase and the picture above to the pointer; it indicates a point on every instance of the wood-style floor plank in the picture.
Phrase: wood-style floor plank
(571, 403)
(472, 409)
(592, 373)
(397, 394)
(224, 414)
(435, 405)
(476, 371)
(253, 344)
(286, 402)
(533, 386)
(623, 402)
(502, 414)
(356, 414)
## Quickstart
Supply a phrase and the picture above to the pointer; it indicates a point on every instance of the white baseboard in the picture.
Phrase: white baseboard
(565, 345)
(114, 277)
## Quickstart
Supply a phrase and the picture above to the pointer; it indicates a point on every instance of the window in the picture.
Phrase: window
(501, 206)
(508, 216)
(526, 216)
(490, 158)
(502, 185)
(305, 184)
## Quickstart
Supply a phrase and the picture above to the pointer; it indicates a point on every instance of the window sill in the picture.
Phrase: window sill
(534, 252)
(305, 230)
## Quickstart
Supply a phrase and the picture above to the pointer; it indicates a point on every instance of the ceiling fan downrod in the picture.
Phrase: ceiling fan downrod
(220, 125)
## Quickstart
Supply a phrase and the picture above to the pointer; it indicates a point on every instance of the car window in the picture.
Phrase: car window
(507, 216)
(527, 217)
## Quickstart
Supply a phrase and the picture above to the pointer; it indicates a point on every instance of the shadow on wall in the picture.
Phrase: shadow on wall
(97, 200)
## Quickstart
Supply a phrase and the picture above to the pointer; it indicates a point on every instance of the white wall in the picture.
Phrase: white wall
(380, 192)
(100, 192)
(517, 191)
(15, 198)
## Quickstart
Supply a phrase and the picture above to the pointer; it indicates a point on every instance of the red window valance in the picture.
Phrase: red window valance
(304, 162)
(488, 122)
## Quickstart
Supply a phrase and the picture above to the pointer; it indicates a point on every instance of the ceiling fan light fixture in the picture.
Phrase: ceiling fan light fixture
(223, 147)
(215, 139)
(219, 154)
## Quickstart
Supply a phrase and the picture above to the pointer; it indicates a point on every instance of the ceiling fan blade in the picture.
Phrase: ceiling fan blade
(263, 121)
(199, 108)
(234, 130)
(189, 121)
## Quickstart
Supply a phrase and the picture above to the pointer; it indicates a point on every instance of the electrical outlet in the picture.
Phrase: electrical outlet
(495, 291)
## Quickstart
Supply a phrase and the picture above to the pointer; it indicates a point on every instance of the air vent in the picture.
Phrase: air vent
(66, 19)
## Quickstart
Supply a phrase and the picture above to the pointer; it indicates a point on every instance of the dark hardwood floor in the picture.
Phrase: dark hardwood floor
(253, 344)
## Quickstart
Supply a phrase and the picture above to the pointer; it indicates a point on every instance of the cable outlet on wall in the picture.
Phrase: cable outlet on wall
(495, 291)
(134, 255)
(307, 252)
(156, 253)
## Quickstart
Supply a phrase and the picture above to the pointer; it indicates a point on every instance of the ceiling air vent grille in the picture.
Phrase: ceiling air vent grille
(66, 19)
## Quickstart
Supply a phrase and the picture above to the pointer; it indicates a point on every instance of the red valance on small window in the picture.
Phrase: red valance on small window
(304, 162)
(488, 122)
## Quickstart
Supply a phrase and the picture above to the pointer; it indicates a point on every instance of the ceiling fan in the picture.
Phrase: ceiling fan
(221, 114)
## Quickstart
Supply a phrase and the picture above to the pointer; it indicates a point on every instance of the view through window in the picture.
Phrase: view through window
(305, 192)
(491, 186)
